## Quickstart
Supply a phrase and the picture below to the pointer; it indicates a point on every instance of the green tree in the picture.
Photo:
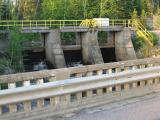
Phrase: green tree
(134, 14)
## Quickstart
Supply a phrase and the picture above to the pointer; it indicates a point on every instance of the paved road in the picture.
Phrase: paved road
(144, 108)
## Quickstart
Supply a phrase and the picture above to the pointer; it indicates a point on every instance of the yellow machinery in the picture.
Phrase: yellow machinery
(88, 23)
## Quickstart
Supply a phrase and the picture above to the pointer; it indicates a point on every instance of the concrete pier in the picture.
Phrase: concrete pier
(90, 48)
(53, 48)
(123, 45)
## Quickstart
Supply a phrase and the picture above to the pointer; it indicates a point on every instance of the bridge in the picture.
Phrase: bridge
(35, 95)
(38, 95)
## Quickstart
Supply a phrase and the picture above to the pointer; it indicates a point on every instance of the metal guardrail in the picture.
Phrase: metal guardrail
(40, 77)
(63, 95)
(68, 86)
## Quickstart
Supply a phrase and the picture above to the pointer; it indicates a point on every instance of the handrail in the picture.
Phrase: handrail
(147, 36)
(49, 23)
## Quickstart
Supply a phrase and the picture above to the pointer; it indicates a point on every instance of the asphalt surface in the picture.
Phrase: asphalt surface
(142, 108)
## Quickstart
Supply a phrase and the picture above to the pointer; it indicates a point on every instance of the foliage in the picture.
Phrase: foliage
(155, 38)
(138, 42)
(134, 14)
(14, 59)
(102, 37)
(68, 38)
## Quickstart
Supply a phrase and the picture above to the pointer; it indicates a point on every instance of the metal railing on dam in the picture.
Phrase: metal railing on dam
(30, 95)
(58, 23)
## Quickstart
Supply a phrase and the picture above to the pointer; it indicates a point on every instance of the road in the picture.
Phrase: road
(143, 108)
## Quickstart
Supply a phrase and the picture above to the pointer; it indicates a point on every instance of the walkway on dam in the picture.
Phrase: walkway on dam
(140, 108)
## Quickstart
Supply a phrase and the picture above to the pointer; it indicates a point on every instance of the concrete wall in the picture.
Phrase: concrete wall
(123, 45)
(53, 48)
(90, 48)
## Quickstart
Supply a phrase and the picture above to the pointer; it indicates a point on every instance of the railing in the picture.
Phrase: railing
(143, 32)
(69, 95)
(34, 78)
(59, 23)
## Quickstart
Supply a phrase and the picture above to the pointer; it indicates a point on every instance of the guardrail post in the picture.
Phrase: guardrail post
(79, 95)
(79, 75)
(142, 66)
(142, 83)
(150, 65)
(40, 103)
(52, 99)
(67, 99)
(134, 85)
(118, 70)
(27, 83)
(99, 72)
(150, 82)
(134, 67)
(40, 81)
(118, 87)
(27, 106)
(89, 73)
(126, 86)
(12, 108)
(156, 80)
(11, 85)
(126, 68)
(109, 89)
(52, 78)
(57, 101)
(89, 93)
(100, 91)
(109, 71)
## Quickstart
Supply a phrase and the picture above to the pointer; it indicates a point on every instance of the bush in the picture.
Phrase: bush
(155, 39)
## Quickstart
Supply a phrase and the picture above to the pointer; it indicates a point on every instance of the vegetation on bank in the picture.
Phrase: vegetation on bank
(12, 60)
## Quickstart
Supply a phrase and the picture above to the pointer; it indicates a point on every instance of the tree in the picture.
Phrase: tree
(134, 14)
(27, 9)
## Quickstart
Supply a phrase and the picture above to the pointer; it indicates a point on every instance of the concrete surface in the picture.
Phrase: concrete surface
(141, 108)
(123, 45)
(53, 49)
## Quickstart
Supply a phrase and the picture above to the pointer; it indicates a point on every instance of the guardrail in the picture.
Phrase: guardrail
(68, 95)
(58, 23)
(40, 77)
